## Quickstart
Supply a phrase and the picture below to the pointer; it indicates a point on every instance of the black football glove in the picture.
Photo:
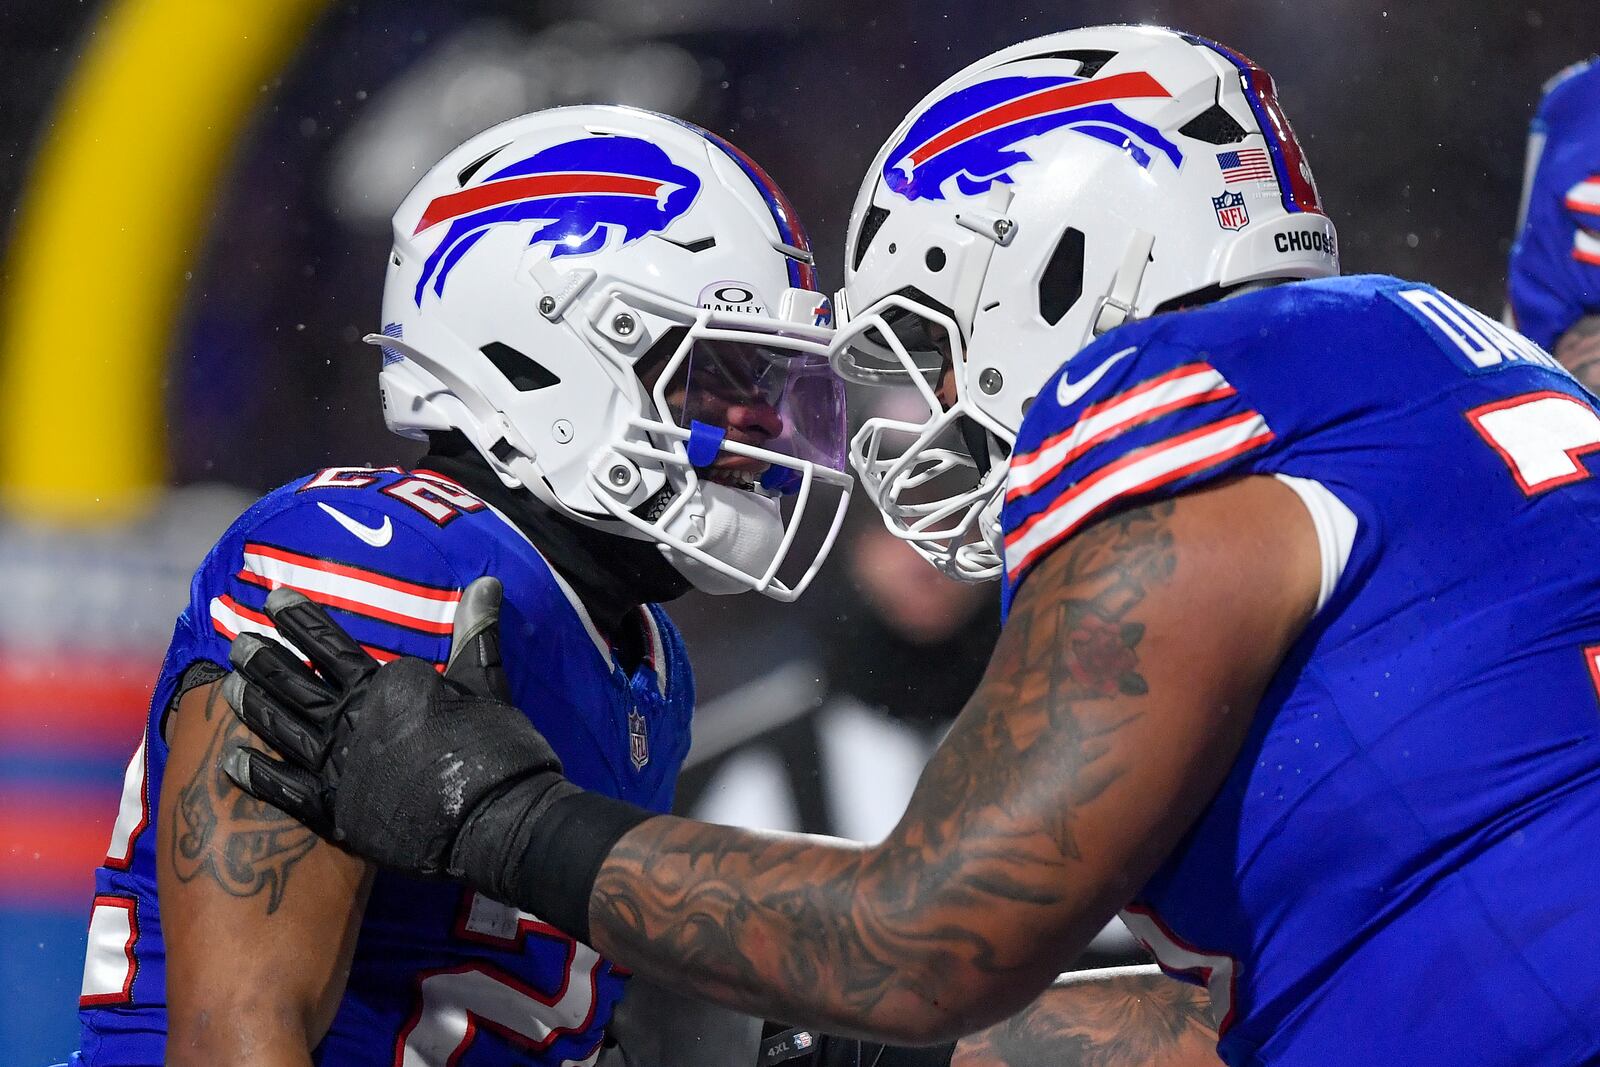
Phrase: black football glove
(432, 775)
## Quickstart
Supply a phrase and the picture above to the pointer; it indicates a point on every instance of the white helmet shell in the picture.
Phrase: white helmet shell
(1043, 196)
(541, 266)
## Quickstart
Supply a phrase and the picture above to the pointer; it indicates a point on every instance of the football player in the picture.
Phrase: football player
(1554, 279)
(606, 325)
(1302, 642)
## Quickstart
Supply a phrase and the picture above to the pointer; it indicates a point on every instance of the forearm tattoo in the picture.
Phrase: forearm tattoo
(1139, 1020)
(793, 928)
(243, 845)
(1579, 351)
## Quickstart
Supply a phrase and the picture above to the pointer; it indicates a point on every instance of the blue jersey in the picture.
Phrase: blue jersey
(440, 974)
(1554, 277)
(1405, 856)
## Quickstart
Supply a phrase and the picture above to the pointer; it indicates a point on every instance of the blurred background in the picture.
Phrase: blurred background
(196, 199)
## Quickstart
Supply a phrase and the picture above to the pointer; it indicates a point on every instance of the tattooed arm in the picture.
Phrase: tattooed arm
(258, 915)
(1123, 1017)
(1116, 700)
(1579, 351)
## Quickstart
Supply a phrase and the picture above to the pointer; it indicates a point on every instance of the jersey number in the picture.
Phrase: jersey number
(110, 964)
(454, 1002)
(1217, 971)
(436, 496)
(1540, 436)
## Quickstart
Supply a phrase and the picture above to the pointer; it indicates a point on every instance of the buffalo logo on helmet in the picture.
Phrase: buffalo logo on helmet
(822, 313)
(972, 133)
(583, 191)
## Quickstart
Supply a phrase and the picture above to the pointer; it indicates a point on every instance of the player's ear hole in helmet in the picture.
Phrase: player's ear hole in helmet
(524, 373)
(1061, 284)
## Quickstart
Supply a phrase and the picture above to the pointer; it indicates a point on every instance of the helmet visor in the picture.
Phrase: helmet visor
(783, 401)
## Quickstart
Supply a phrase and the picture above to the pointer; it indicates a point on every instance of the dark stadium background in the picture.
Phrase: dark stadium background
(1413, 115)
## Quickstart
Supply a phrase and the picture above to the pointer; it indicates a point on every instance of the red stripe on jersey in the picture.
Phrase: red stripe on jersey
(443, 595)
(354, 607)
(1146, 486)
(1101, 405)
(382, 655)
(1117, 429)
(1136, 456)
(1589, 187)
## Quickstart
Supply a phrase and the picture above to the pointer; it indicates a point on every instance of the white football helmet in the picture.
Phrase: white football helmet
(619, 311)
(1037, 199)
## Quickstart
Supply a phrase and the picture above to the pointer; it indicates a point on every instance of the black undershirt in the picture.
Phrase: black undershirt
(612, 575)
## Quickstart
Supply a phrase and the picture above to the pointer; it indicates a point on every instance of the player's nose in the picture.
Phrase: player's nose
(755, 420)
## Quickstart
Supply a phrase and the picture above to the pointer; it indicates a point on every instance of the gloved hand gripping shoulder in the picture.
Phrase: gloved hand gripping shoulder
(434, 775)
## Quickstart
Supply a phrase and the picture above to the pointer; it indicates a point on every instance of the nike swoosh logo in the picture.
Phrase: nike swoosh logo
(1069, 393)
(376, 536)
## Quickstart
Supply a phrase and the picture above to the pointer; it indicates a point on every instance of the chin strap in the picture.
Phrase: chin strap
(1116, 307)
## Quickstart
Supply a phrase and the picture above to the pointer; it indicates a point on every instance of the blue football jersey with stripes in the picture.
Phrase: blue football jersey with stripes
(441, 975)
(1405, 856)
(1554, 275)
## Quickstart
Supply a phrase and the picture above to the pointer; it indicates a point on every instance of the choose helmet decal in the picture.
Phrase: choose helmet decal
(970, 134)
(582, 190)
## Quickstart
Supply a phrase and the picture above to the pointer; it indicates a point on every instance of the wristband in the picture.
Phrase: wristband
(569, 837)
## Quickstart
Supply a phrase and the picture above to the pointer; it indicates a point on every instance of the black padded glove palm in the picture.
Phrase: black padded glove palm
(430, 774)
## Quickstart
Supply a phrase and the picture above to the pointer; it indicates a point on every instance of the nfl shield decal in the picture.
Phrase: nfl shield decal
(638, 740)
(1231, 212)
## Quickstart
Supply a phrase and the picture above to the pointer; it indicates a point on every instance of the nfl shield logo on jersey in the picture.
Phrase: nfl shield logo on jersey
(638, 740)
(1231, 212)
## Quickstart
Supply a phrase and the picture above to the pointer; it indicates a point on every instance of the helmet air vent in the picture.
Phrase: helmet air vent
(522, 372)
(1061, 284)
(465, 174)
(1213, 126)
(1090, 60)
(699, 244)
(870, 225)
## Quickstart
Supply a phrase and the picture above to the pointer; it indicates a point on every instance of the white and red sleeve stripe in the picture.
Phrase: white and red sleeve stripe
(1585, 196)
(1182, 387)
(424, 608)
(1586, 245)
(231, 618)
(1584, 199)
(1136, 473)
